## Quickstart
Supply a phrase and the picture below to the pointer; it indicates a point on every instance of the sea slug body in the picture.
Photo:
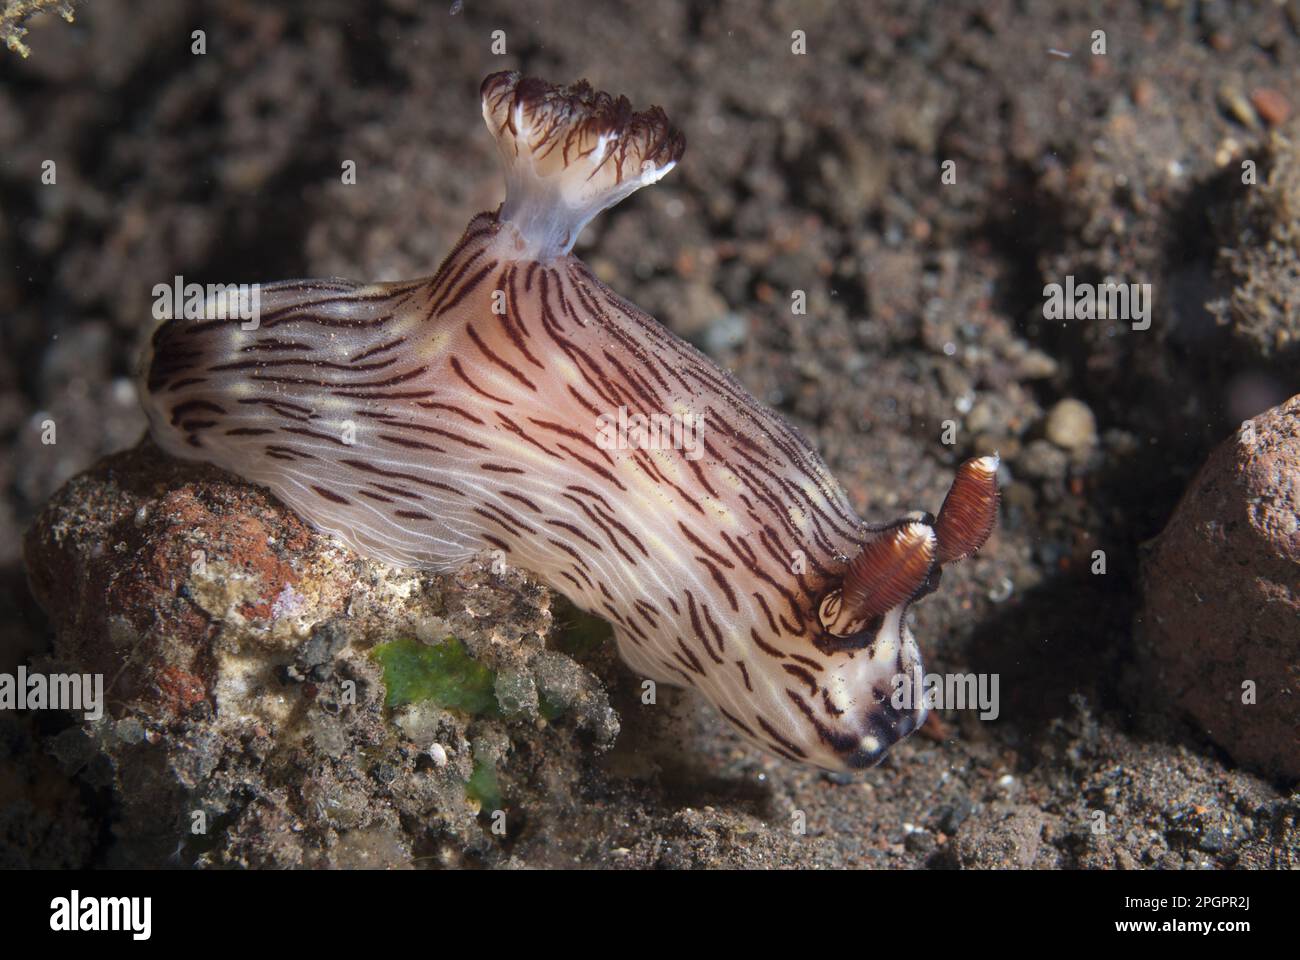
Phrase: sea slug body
(425, 422)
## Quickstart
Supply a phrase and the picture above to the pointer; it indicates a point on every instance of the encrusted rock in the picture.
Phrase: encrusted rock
(249, 720)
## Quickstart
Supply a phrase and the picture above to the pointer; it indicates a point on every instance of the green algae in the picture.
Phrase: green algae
(484, 787)
(443, 674)
(448, 677)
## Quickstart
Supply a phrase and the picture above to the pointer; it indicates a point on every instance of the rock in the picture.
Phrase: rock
(1272, 107)
(1220, 625)
(955, 814)
(1234, 102)
(321, 647)
(1037, 365)
(1071, 425)
(1212, 840)
(1003, 837)
(1042, 461)
(243, 684)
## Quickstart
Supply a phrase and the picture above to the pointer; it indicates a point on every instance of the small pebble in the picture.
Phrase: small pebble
(1213, 840)
(954, 815)
(1071, 425)
(1043, 460)
(1002, 590)
(1233, 102)
(1037, 365)
(726, 333)
(1271, 106)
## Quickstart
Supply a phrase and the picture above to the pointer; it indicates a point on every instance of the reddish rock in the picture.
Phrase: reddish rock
(1222, 596)
(1271, 105)
(113, 559)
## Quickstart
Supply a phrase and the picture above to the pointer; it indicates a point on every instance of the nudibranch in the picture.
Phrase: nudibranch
(429, 421)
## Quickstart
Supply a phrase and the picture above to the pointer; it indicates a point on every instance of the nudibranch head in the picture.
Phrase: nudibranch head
(511, 402)
(569, 153)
